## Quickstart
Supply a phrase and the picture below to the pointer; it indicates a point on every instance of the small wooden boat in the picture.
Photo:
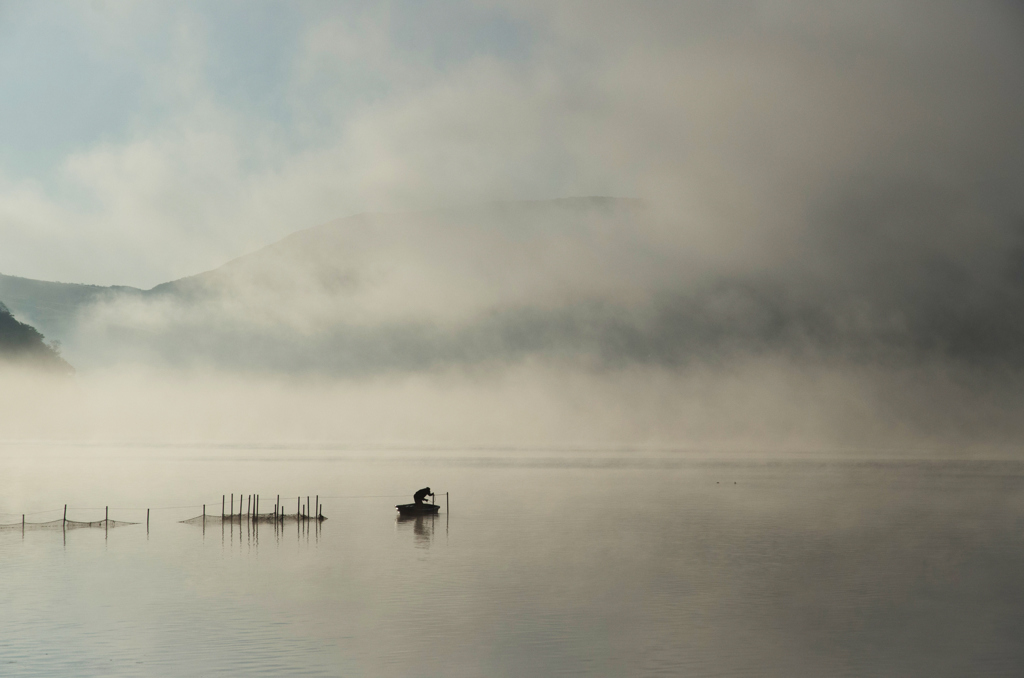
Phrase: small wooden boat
(418, 509)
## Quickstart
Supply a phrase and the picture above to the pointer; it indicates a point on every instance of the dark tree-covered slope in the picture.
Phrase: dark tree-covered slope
(23, 344)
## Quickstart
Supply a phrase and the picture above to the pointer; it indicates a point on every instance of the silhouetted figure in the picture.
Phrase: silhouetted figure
(421, 495)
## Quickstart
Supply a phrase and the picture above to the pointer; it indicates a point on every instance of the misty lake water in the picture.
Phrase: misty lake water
(577, 563)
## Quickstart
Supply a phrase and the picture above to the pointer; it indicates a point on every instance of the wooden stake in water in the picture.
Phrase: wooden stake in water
(446, 502)
(147, 520)
(65, 521)
(318, 507)
(222, 507)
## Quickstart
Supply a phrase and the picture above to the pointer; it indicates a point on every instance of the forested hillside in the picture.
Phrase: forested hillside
(23, 344)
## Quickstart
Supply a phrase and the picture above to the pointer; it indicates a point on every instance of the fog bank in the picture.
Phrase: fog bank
(817, 235)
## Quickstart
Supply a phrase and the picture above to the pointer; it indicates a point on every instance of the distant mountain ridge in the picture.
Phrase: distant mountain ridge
(52, 307)
(592, 281)
(326, 245)
(334, 259)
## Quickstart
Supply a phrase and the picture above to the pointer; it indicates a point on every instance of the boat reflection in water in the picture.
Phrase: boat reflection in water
(422, 527)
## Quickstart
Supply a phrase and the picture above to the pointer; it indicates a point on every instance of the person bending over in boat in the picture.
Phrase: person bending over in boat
(421, 495)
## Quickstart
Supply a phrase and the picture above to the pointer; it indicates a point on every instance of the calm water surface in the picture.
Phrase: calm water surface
(553, 563)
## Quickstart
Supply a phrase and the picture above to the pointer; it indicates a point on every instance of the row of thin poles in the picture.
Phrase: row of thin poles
(252, 505)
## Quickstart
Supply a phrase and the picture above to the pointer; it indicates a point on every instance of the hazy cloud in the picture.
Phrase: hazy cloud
(744, 119)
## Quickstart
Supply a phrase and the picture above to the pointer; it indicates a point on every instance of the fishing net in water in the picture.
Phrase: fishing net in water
(34, 521)
(61, 524)
(269, 518)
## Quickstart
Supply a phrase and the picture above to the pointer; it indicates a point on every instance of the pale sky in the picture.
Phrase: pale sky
(144, 141)
(148, 140)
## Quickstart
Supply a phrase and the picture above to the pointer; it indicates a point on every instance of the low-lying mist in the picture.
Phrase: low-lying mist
(745, 405)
